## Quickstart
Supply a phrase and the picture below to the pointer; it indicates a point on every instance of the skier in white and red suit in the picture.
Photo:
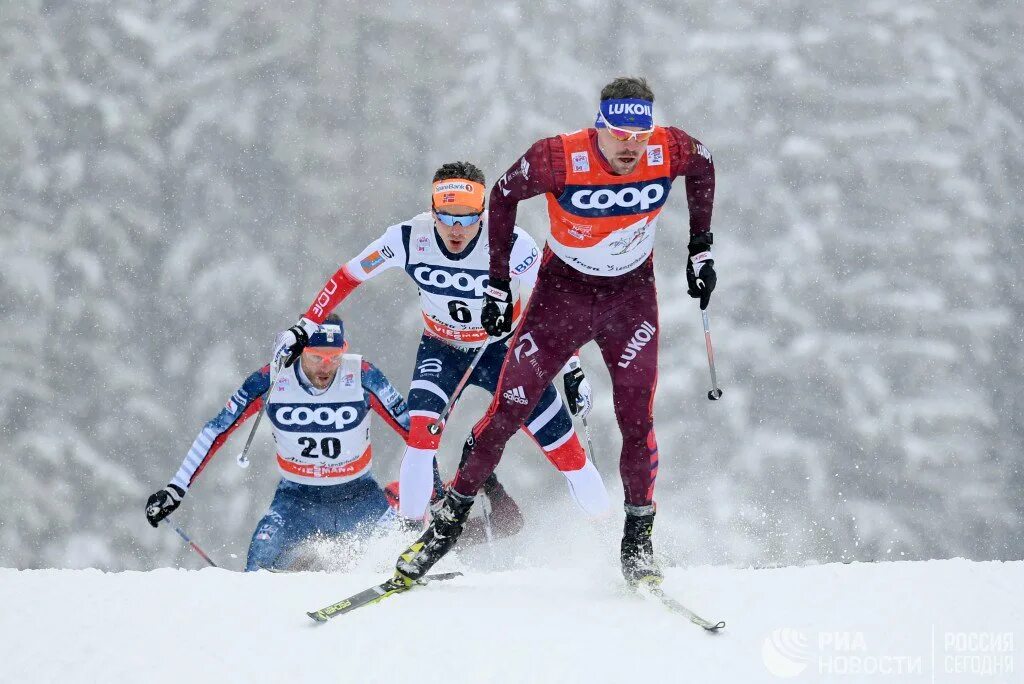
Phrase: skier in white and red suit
(605, 188)
(445, 252)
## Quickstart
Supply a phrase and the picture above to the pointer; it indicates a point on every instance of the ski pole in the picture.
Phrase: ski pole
(191, 543)
(484, 505)
(435, 427)
(243, 457)
(590, 444)
(714, 393)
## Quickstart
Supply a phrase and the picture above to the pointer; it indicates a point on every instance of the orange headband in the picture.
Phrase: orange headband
(458, 191)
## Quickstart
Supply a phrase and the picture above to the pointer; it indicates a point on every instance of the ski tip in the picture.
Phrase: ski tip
(715, 627)
(317, 616)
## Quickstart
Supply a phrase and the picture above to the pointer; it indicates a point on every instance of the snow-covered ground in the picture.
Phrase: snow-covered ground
(941, 621)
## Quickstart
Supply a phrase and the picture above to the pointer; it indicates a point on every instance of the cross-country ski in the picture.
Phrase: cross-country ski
(374, 594)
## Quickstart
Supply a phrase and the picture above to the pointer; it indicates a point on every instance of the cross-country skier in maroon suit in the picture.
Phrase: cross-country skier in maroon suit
(605, 187)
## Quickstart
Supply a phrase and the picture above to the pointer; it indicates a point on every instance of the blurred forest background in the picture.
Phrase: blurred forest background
(178, 179)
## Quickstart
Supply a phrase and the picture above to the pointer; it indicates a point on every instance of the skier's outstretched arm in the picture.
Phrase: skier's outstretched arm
(386, 252)
(243, 404)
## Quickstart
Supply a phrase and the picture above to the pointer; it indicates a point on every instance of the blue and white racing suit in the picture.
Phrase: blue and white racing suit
(324, 454)
(451, 294)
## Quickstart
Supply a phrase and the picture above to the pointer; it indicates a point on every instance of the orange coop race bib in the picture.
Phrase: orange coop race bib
(604, 224)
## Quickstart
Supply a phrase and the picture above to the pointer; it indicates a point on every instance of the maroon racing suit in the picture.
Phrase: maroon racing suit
(569, 307)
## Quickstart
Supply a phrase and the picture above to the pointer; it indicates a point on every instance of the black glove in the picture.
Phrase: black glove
(292, 341)
(578, 392)
(700, 270)
(497, 314)
(161, 504)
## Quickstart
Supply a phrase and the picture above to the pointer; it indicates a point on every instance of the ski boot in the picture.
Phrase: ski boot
(638, 564)
(438, 539)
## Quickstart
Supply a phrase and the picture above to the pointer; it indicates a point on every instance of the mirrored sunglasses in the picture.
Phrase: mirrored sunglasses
(452, 220)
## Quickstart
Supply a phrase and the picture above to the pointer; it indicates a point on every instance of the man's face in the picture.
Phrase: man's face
(622, 155)
(456, 237)
(320, 364)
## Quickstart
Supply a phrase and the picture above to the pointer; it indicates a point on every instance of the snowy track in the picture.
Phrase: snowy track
(531, 625)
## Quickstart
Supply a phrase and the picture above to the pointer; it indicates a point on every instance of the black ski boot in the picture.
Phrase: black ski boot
(438, 539)
(638, 565)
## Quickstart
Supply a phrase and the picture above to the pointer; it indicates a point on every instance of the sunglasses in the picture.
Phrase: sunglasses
(325, 354)
(624, 134)
(451, 220)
